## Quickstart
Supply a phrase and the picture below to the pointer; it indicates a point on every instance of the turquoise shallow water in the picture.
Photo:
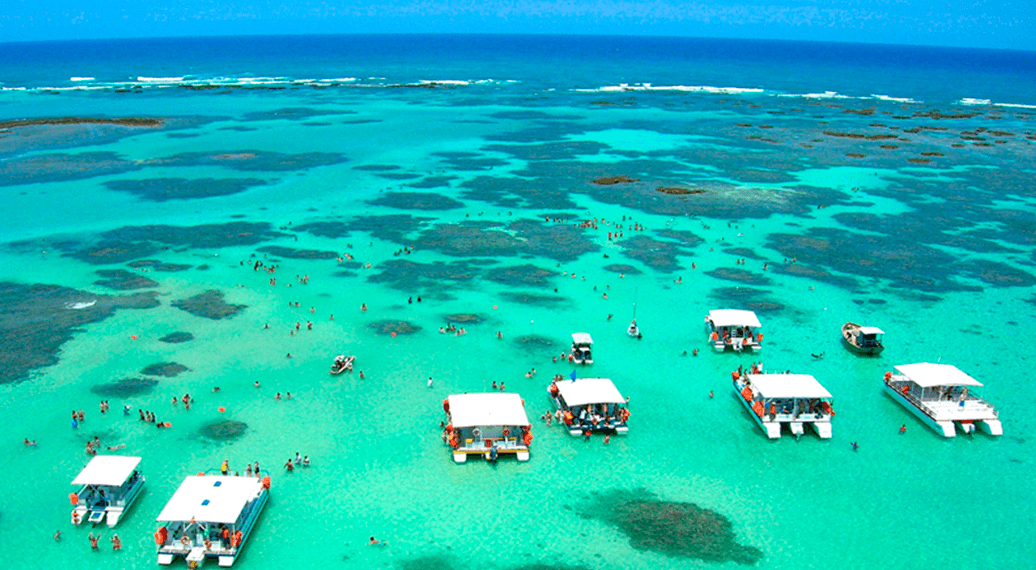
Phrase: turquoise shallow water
(948, 276)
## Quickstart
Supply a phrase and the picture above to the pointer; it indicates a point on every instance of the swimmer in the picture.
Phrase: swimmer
(695, 353)
(429, 381)
(902, 429)
(711, 394)
(29, 443)
(499, 334)
(57, 536)
(256, 383)
(288, 395)
(278, 396)
(817, 356)
(855, 446)
(361, 375)
(364, 307)
(376, 542)
(116, 447)
(94, 540)
(116, 542)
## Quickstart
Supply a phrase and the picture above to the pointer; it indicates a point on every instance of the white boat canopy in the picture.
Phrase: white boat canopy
(585, 391)
(787, 386)
(733, 318)
(582, 338)
(210, 499)
(487, 409)
(927, 375)
(870, 330)
(110, 470)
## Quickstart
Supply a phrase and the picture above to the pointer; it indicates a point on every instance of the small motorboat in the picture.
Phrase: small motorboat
(342, 363)
(633, 330)
(862, 340)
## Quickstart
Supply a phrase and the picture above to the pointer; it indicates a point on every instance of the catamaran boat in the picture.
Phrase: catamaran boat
(941, 395)
(792, 399)
(210, 516)
(580, 353)
(593, 404)
(861, 339)
(735, 330)
(342, 363)
(108, 486)
(487, 424)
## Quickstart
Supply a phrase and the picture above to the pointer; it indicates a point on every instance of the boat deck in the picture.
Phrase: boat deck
(950, 410)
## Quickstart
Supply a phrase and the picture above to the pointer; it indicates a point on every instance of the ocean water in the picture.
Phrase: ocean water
(886, 185)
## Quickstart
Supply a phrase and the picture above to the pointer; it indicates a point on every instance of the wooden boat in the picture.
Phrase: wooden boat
(861, 339)
(342, 363)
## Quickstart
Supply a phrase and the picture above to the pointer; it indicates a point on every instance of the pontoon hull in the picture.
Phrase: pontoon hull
(944, 428)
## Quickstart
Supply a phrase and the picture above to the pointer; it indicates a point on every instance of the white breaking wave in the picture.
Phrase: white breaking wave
(80, 305)
(894, 99)
(623, 87)
(973, 101)
(161, 79)
(80, 78)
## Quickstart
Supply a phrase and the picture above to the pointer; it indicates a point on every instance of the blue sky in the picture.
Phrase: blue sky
(967, 23)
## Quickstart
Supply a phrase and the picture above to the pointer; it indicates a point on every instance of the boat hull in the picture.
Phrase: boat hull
(847, 341)
(944, 428)
(771, 429)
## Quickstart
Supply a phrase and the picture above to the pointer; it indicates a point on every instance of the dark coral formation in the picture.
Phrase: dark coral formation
(163, 189)
(681, 530)
(177, 337)
(167, 369)
(520, 275)
(130, 243)
(522, 237)
(156, 265)
(122, 280)
(534, 343)
(405, 275)
(209, 305)
(289, 253)
(416, 201)
(394, 328)
(739, 275)
(533, 299)
(35, 320)
(223, 430)
(621, 268)
(658, 255)
(126, 388)
(464, 319)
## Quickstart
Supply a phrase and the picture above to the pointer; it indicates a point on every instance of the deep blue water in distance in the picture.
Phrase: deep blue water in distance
(933, 74)
(547, 185)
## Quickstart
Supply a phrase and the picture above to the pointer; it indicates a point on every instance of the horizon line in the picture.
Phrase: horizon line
(514, 34)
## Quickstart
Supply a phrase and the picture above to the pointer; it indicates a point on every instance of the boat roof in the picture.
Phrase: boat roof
(214, 499)
(582, 338)
(927, 375)
(787, 386)
(870, 330)
(733, 318)
(487, 409)
(111, 470)
(584, 391)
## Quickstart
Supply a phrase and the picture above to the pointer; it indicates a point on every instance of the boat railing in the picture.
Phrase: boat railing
(899, 381)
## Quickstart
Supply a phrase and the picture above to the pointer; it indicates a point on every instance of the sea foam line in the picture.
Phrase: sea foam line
(624, 87)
